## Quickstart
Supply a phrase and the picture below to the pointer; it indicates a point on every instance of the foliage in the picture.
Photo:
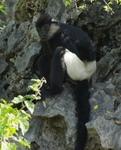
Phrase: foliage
(13, 122)
(2, 8)
(67, 3)
(107, 4)
(27, 100)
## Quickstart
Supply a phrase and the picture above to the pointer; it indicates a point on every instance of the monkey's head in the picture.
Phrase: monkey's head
(45, 27)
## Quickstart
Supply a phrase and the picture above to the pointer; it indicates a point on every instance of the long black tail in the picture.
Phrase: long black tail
(82, 95)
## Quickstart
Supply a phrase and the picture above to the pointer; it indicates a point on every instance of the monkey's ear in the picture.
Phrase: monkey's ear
(43, 19)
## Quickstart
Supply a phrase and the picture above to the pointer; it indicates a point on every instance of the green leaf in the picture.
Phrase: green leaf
(30, 96)
(18, 99)
(24, 141)
(30, 106)
(8, 146)
(4, 101)
(4, 146)
(25, 113)
(24, 126)
(33, 88)
(68, 2)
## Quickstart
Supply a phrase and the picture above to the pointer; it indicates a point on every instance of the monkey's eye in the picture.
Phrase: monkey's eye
(44, 31)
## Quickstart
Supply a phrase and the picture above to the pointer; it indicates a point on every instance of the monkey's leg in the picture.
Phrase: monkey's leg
(44, 65)
(58, 69)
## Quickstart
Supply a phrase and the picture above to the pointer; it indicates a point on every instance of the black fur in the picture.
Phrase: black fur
(81, 93)
(55, 39)
(58, 70)
(69, 37)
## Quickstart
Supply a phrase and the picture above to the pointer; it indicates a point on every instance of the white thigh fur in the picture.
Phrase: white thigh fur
(77, 69)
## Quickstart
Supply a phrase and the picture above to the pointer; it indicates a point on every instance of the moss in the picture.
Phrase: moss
(26, 9)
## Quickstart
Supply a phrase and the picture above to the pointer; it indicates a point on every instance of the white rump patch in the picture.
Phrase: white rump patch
(77, 69)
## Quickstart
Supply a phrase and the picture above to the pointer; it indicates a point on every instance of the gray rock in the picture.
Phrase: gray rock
(55, 122)
(4, 65)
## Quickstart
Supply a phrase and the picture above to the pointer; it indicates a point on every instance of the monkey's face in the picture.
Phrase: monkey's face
(47, 31)
(43, 31)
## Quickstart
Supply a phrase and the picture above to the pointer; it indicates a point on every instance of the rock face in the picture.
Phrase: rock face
(53, 122)
(18, 46)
